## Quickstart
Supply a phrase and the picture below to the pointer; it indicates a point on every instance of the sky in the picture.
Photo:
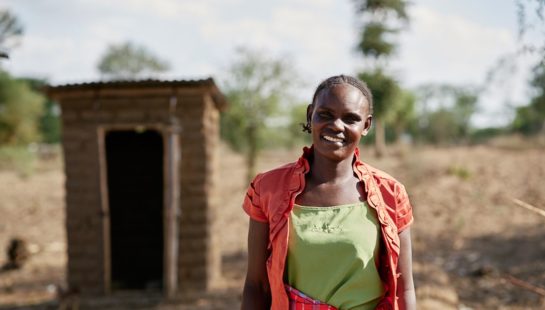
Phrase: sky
(455, 42)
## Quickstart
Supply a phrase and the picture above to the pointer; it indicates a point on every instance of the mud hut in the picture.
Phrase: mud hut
(140, 164)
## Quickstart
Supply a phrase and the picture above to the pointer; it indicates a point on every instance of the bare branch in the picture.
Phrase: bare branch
(526, 285)
(528, 206)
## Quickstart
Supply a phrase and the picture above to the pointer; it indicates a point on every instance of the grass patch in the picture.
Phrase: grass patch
(460, 172)
(517, 142)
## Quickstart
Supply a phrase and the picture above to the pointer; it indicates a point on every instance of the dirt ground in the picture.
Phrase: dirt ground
(471, 242)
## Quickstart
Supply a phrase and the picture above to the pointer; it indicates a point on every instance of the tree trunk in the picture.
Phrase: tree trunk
(398, 132)
(251, 154)
(380, 138)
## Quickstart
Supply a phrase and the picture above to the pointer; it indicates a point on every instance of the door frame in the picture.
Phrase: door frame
(171, 198)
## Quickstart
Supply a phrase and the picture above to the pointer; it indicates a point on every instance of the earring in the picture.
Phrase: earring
(307, 127)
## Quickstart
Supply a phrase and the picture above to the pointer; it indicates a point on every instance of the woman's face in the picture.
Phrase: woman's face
(339, 117)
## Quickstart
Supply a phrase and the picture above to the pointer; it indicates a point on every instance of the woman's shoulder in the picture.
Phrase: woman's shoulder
(394, 195)
(387, 183)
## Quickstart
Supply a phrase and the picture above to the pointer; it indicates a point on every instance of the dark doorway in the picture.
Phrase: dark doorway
(135, 188)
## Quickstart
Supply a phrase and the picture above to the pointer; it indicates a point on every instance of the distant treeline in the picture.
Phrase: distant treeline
(432, 114)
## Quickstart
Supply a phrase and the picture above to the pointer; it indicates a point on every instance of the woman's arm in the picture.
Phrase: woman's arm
(257, 293)
(405, 288)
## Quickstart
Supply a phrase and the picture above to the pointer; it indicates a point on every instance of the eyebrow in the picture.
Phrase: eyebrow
(327, 109)
(354, 115)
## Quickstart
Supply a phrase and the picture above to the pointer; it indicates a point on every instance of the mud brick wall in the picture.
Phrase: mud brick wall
(196, 117)
(199, 258)
(84, 222)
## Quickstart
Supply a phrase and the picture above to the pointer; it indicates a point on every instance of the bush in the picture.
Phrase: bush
(20, 110)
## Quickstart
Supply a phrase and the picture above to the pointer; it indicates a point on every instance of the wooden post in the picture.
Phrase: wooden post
(171, 214)
(105, 211)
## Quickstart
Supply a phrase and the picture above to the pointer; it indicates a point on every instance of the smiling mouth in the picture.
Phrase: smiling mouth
(333, 139)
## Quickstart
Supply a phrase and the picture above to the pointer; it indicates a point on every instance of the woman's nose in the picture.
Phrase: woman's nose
(337, 124)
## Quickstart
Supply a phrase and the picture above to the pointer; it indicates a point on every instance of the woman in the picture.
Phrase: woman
(329, 230)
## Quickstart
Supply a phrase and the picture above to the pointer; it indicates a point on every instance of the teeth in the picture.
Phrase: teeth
(333, 139)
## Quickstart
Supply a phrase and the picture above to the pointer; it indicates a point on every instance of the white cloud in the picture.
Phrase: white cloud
(246, 32)
(109, 29)
(448, 48)
(321, 41)
(173, 9)
(318, 38)
(169, 9)
(48, 57)
(441, 48)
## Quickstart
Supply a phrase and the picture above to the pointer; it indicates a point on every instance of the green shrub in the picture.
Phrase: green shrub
(461, 172)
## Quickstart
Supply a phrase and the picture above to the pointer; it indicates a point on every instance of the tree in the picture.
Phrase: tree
(128, 61)
(528, 22)
(10, 32)
(298, 116)
(530, 119)
(378, 18)
(441, 127)
(49, 123)
(385, 93)
(403, 114)
(256, 87)
(465, 105)
(445, 112)
(20, 110)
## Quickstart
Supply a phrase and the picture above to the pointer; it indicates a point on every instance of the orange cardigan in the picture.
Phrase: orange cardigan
(270, 198)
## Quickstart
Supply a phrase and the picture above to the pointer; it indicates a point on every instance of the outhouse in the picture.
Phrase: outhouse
(141, 165)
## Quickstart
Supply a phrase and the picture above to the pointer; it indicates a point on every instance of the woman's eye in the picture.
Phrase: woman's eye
(324, 114)
(351, 120)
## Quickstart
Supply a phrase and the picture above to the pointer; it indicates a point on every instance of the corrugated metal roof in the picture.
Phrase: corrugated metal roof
(132, 83)
(56, 90)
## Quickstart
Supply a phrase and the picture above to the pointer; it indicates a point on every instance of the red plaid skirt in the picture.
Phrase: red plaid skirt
(300, 301)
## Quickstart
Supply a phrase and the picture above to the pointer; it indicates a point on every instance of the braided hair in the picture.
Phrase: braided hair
(337, 80)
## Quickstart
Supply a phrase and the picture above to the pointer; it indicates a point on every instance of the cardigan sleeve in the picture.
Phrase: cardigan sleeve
(251, 204)
(404, 209)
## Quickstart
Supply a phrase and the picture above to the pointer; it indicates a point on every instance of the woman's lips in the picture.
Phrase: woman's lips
(332, 139)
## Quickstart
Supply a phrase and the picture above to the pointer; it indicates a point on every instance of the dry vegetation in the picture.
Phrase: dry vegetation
(470, 239)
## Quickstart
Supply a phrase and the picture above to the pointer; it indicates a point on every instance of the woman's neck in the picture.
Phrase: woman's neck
(325, 170)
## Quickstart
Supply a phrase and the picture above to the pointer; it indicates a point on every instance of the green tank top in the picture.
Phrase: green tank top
(331, 255)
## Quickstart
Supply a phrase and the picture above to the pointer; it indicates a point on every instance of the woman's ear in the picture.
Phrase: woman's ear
(310, 109)
(367, 125)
